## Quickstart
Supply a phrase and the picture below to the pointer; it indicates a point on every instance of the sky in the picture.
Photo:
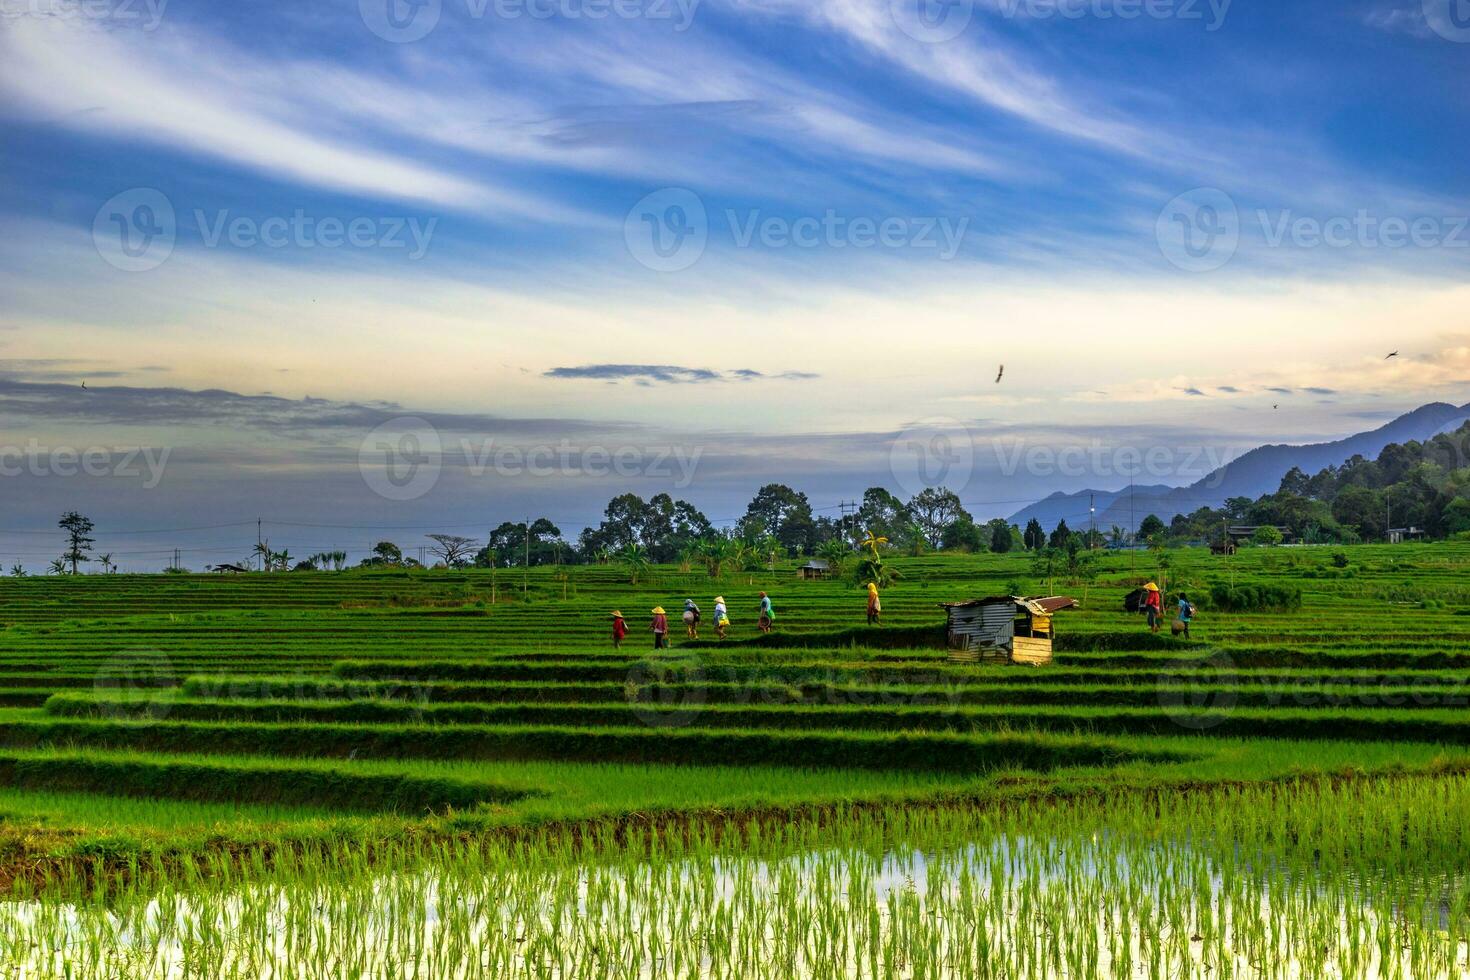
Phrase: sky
(372, 268)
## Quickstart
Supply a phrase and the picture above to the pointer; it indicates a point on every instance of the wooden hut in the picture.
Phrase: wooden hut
(816, 568)
(1003, 629)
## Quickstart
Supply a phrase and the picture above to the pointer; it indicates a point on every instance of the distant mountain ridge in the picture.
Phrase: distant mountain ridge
(1253, 474)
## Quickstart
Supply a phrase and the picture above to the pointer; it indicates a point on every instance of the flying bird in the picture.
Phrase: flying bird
(1394, 354)
(1000, 374)
(84, 386)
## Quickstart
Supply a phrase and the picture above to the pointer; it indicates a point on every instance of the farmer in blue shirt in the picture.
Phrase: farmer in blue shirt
(1186, 613)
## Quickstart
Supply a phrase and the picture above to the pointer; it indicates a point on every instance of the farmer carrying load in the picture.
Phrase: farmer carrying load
(767, 614)
(722, 617)
(1186, 616)
(691, 619)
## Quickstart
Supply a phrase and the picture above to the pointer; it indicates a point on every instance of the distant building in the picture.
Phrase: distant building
(816, 568)
(1398, 535)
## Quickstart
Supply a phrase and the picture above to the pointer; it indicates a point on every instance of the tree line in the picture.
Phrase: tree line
(1421, 485)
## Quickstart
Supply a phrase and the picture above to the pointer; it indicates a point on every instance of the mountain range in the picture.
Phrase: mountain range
(1252, 475)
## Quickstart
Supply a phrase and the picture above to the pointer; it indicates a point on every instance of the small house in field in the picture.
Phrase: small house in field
(816, 568)
(1003, 629)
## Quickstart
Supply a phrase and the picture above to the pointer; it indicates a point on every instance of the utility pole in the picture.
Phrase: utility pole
(1388, 516)
(526, 568)
(847, 508)
(258, 540)
(1092, 511)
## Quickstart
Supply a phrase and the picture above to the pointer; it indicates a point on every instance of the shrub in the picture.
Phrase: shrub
(1256, 598)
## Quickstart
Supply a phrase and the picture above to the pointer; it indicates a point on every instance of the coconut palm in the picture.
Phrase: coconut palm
(835, 553)
(634, 558)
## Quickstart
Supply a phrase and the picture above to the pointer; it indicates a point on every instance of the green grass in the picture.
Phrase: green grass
(373, 706)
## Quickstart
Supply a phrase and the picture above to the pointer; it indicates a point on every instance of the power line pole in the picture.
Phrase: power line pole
(1092, 510)
(846, 508)
(259, 551)
(526, 568)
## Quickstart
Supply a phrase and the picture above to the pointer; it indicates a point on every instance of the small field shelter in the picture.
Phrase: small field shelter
(1003, 629)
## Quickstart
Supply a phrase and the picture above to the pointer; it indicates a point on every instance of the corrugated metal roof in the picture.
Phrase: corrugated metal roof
(1041, 607)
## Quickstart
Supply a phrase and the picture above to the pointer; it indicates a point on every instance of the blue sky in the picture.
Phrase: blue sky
(780, 232)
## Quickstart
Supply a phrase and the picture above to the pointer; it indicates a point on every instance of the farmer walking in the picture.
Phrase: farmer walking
(620, 629)
(1153, 605)
(660, 627)
(1186, 615)
(691, 619)
(722, 617)
(767, 614)
(875, 605)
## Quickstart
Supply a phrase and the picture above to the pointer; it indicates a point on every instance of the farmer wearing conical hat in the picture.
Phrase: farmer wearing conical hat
(1153, 604)
(875, 605)
(722, 617)
(691, 619)
(620, 629)
(660, 627)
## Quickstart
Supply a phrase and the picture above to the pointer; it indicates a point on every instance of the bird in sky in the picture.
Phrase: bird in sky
(1393, 355)
(1275, 407)
(1000, 374)
(84, 386)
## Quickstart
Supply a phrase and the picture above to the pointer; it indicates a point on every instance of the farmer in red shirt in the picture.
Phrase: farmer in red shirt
(660, 627)
(620, 629)
(1153, 604)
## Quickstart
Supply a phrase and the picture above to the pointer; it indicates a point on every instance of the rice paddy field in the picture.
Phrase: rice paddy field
(455, 774)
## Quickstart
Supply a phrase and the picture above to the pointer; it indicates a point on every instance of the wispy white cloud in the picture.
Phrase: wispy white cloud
(159, 90)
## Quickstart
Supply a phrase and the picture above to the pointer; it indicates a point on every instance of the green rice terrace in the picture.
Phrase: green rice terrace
(378, 773)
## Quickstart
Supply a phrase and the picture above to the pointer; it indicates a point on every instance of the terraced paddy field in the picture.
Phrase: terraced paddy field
(457, 741)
